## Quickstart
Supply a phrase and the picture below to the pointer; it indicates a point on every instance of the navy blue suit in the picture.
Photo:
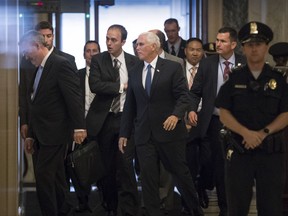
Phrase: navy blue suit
(168, 96)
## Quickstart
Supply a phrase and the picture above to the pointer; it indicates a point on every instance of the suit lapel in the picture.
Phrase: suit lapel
(157, 74)
(45, 73)
(214, 67)
(109, 66)
(138, 77)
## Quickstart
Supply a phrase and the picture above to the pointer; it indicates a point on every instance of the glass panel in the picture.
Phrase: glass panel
(140, 16)
(73, 36)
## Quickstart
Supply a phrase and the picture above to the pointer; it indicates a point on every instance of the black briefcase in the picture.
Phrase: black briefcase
(85, 163)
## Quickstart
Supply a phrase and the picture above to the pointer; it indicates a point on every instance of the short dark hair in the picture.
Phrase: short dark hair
(171, 20)
(44, 25)
(91, 41)
(194, 39)
(161, 37)
(231, 31)
(122, 29)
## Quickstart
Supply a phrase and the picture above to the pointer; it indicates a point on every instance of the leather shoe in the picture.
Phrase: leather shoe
(186, 211)
(198, 211)
(83, 208)
(203, 198)
(112, 213)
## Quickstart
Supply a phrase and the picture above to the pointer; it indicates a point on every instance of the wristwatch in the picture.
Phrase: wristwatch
(266, 130)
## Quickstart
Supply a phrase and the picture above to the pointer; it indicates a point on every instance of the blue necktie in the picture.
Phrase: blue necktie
(148, 80)
(37, 79)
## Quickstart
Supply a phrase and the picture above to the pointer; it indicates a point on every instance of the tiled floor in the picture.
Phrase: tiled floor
(30, 205)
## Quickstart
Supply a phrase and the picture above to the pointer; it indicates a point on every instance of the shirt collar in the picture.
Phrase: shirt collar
(188, 65)
(162, 54)
(152, 63)
(231, 59)
(121, 57)
(45, 58)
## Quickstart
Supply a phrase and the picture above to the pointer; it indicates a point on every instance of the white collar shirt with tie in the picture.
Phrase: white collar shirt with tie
(190, 78)
(39, 74)
(191, 71)
(220, 80)
(144, 73)
(123, 73)
(89, 96)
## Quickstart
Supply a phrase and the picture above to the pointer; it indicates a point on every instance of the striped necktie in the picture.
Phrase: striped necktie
(115, 106)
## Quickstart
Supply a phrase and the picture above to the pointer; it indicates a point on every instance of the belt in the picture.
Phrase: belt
(115, 115)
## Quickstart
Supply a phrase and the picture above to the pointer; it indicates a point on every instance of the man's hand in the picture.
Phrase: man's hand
(24, 131)
(79, 136)
(28, 145)
(252, 139)
(193, 118)
(122, 144)
(125, 86)
(170, 123)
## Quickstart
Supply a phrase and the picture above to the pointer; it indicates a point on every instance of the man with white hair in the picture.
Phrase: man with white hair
(156, 101)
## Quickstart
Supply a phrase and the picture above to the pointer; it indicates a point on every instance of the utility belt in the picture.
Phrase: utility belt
(273, 143)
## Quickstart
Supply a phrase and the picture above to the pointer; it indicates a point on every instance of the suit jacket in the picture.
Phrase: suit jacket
(181, 53)
(169, 96)
(27, 74)
(174, 58)
(82, 76)
(57, 104)
(205, 87)
(102, 81)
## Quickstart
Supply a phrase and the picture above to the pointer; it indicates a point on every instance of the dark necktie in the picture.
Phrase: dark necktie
(36, 81)
(173, 50)
(226, 70)
(148, 80)
(115, 106)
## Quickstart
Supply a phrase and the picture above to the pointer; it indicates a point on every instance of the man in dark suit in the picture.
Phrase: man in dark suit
(27, 73)
(166, 189)
(175, 45)
(194, 53)
(156, 101)
(108, 80)
(55, 108)
(210, 76)
(91, 48)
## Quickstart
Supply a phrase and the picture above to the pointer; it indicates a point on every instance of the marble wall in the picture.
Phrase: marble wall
(236, 13)
(275, 14)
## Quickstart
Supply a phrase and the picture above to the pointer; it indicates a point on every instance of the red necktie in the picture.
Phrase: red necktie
(226, 70)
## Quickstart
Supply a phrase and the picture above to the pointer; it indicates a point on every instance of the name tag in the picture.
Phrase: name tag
(240, 86)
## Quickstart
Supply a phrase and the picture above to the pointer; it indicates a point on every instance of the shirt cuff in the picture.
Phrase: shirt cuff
(79, 130)
(121, 90)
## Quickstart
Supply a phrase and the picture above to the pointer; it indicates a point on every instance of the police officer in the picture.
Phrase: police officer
(210, 49)
(254, 106)
(279, 51)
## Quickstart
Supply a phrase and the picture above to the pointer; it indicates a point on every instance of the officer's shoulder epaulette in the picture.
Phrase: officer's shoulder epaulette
(278, 70)
(237, 68)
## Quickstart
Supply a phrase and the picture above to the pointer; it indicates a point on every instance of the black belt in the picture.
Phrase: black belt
(115, 115)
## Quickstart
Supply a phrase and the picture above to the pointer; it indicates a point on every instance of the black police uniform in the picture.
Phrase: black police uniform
(254, 103)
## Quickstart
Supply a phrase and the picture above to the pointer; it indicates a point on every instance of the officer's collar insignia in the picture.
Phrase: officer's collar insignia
(272, 84)
(237, 86)
(253, 28)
